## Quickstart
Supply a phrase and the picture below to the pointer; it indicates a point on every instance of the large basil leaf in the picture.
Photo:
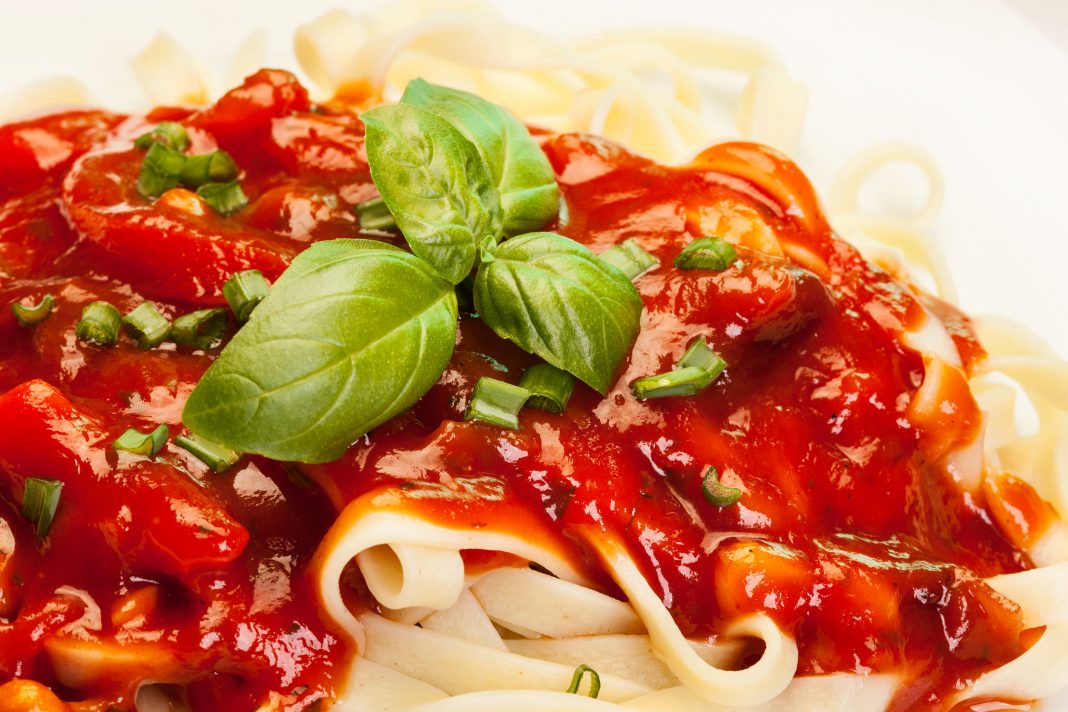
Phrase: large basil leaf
(554, 298)
(436, 185)
(524, 178)
(353, 333)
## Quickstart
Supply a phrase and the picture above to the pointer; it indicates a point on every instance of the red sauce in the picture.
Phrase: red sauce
(875, 555)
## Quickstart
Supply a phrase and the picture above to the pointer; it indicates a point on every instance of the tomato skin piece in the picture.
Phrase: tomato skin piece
(153, 516)
(241, 119)
(32, 151)
(161, 250)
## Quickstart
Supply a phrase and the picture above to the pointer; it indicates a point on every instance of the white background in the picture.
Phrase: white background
(979, 84)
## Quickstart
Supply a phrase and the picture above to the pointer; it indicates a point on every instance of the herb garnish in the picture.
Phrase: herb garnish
(355, 331)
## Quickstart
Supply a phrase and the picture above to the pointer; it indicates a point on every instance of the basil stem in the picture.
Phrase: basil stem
(147, 325)
(712, 253)
(224, 198)
(160, 171)
(217, 457)
(497, 403)
(717, 493)
(40, 500)
(699, 355)
(375, 215)
(33, 314)
(214, 167)
(576, 680)
(629, 258)
(244, 291)
(139, 443)
(99, 324)
(680, 382)
(202, 329)
(170, 133)
(550, 388)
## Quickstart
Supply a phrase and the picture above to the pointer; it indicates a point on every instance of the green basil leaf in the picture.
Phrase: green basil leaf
(524, 178)
(435, 184)
(353, 333)
(554, 298)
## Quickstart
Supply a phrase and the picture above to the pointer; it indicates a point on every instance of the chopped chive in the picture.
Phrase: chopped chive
(160, 171)
(217, 457)
(40, 500)
(576, 680)
(374, 215)
(680, 382)
(99, 324)
(244, 291)
(712, 253)
(550, 388)
(629, 258)
(169, 133)
(35, 313)
(147, 325)
(140, 443)
(214, 167)
(201, 329)
(224, 198)
(497, 403)
(699, 355)
(716, 492)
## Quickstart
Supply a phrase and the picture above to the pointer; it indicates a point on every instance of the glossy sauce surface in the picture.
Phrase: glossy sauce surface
(850, 532)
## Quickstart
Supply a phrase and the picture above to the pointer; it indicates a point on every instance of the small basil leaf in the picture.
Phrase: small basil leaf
(554, 298)
(353, 333)
(524, 178)
(435, 184)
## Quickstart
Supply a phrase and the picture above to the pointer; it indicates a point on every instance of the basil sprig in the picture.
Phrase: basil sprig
(435, 184)
(554, 298)
(353, 333)
(356, 331)
(524, 179)
(545, 292)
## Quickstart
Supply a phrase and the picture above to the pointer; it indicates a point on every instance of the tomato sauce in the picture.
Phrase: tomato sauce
(850, 532)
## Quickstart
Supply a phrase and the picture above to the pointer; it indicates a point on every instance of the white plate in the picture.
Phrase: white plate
(972, 81)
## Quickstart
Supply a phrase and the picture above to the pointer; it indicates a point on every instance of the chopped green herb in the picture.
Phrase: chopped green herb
(160, 171)
(712, 253)
(171, 134)
(99, 324)
(244, 291)
(699, 355)
(497, 403)
(717, 493)
(550, 388)
(214, 167)
(202, 329)
(217, 457)
(680, 382)
(629, 258)
(224, 198)
(147, 325)
(40, 499)
(33, 314)
(140, 443)
(375, 215)
(576, 680)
